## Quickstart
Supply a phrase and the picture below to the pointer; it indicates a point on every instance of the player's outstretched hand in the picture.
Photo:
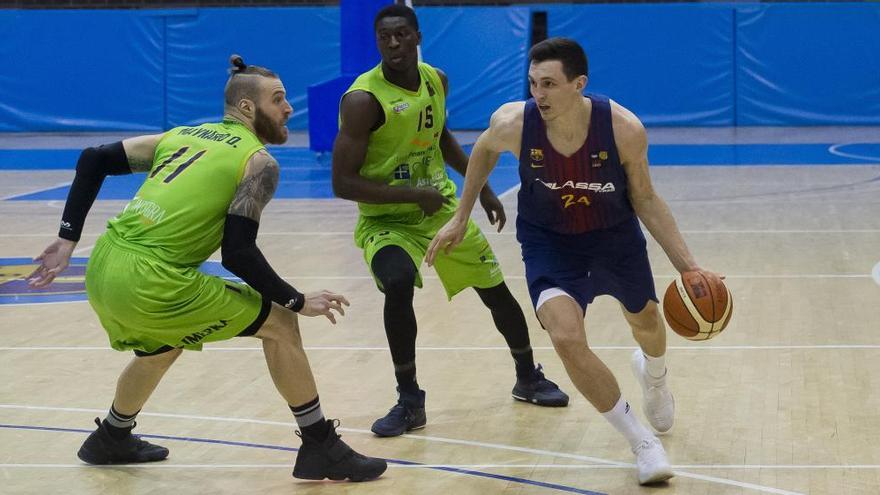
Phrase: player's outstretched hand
(494, 208)
(53, 261)
(324, 303)
(446, 239)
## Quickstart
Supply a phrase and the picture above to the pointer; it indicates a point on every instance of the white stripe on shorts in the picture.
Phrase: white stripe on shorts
(548, 294)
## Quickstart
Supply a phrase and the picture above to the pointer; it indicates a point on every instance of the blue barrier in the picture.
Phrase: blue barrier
(300, 44)
(808, 64)
(695, 64)
(483, 51)
(80, 71)
(670, 64)
(358, 54)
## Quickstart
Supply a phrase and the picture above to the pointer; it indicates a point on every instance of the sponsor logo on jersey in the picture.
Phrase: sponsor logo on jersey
(402, 171)
(421, 144)
(598, 187)
(597, 159)
(150, 212)
(196, 337)
(400, 107)
(537, 155)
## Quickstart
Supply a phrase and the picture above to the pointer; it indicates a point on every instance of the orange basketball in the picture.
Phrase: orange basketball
(697, 305)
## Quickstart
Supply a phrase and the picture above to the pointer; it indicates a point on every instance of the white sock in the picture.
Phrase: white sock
(623, 418)
(655, 366)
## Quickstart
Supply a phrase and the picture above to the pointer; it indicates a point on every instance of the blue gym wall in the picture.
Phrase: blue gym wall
(676, 64)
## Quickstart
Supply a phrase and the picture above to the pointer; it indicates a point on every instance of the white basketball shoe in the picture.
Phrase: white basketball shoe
(651, 462)
(658, 404)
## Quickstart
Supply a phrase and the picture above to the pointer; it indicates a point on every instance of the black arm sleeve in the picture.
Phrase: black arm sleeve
(93, 166)
(242, 257)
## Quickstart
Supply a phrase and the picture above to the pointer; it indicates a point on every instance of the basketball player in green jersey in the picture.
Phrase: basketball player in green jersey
(205, 189)
(389, 157)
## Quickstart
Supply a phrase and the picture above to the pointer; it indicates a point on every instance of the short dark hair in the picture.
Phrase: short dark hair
(238, 87)
(567, 51)
(397, 10)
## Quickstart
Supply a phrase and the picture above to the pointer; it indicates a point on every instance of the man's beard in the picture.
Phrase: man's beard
(268, 130)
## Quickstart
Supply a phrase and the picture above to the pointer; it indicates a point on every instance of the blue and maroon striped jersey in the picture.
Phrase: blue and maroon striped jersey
(576, 194)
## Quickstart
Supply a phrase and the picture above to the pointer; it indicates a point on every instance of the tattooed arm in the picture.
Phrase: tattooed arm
(241, 255)
(140, 151)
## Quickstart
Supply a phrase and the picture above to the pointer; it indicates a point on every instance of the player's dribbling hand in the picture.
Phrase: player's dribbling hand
(324, 303)
(53, 261)
(709, 273)
(430, 200)
(446, 239)
(494, 208)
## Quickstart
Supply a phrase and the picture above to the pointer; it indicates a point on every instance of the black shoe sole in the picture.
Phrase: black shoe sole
(86, 457)
(338, 476)
(392, 435)
(539, 403)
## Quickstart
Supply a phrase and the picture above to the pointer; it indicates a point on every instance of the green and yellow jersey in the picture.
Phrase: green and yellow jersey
(405, 149)
(179, 212)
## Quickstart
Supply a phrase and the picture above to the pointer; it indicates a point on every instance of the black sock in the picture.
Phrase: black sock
(524, 360)
(310, 419)
(406, 377)
(396, 273)
(118, 425)
(511, 323)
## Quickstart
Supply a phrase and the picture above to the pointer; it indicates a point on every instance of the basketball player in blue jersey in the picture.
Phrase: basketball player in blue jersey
(584, 187)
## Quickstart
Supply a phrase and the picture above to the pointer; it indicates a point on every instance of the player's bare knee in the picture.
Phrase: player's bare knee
(282, 326)
(567, 340)
(646, 321)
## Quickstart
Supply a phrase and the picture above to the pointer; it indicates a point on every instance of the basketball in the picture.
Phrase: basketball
(697, 305)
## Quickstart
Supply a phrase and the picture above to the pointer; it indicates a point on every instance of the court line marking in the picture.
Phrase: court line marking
(835, 150)
(35, 191)
(508, 192)
(484, 348)
(670, 276)
(83, 249)
(723, 481)
(875, 273)
(708, 467)
(490, 231)
(481, 474)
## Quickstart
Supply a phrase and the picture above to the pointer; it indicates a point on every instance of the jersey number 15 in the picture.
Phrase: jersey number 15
(427, 117)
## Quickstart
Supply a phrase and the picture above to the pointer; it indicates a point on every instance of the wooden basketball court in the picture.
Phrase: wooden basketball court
(784, 401)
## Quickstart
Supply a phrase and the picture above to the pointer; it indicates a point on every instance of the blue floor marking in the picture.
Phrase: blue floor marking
(43, 159)
(307, 175)
(758, 154)
(70, 284)
(552, 486)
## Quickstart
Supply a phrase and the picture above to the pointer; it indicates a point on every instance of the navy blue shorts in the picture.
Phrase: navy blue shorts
(612, 261)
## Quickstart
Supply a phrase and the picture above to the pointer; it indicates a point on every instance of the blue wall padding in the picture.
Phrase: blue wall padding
(324, 124)
(670, 64)
(482, 50)
(90, 70)
(673, 64)
(808, 64)
(358, 36)
(300, 44)
(358, 53)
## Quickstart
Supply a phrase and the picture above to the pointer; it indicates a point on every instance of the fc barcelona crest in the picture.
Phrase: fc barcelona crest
(537, 155)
